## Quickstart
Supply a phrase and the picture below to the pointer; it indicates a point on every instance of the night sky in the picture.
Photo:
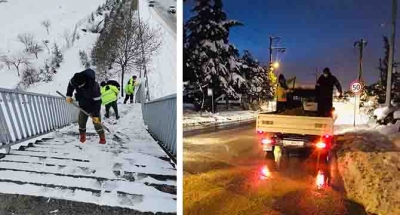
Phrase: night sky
(316, 33)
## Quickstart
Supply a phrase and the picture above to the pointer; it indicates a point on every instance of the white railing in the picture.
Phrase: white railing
(25, 115)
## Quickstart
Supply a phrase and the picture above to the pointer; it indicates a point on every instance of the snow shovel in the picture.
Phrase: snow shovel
(118, 136)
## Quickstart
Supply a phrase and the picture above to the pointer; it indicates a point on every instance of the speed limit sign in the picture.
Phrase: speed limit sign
(356, 87)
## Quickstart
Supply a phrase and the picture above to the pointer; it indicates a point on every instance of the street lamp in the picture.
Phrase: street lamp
(276, 65)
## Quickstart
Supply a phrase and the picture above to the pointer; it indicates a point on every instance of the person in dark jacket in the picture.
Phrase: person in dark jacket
(114, 83)
(89, 99)
(324, 92)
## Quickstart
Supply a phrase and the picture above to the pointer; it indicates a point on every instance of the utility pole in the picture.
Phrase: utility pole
(316, 74)
(361, 44)
(281, 49)
(391, 54)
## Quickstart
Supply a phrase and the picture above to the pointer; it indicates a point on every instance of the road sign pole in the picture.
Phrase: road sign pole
(355, 110)
(356, 88)
(212, 98)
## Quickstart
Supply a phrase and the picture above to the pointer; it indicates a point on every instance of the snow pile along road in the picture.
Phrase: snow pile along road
(134, 173)
(369, 163)
(208, 119)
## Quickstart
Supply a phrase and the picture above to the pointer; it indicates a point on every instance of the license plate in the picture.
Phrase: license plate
(293, 143)
(267, 148)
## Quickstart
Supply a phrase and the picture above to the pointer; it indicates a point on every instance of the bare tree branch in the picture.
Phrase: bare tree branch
(67, 37)
(35, 49)
(6, 61)
(26, 39)
(46, 24)
(17, 60)
(46, 44)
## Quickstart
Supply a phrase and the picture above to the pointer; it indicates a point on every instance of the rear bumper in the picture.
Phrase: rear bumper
(307, 146)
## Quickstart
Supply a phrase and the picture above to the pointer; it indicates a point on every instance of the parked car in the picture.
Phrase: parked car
(231, 100)
(172, 9)
(152, 3)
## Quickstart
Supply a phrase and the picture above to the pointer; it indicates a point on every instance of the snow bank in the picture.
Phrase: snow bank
(208, 119)
(369, 163)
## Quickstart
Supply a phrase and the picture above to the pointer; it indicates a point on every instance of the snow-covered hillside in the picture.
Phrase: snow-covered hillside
(162, 71)
(25, 16)
(64, 16)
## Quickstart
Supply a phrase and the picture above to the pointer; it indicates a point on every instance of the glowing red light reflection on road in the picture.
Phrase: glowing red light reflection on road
(265, 173)
(320, 181)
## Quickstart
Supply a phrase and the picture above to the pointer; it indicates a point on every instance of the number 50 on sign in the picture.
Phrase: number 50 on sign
(356, 87)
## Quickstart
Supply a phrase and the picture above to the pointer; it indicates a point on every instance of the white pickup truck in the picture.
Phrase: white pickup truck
(295, 132)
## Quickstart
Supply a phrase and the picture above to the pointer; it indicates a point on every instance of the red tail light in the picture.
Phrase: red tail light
(324, 142)
(267, 141)
(321, 145)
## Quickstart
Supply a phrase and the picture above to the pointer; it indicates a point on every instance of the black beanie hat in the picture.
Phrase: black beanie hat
(79, 78)
(103, 83)
(327, 71)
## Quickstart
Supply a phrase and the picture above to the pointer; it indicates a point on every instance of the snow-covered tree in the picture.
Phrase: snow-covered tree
(57, 57)
(258, 85)
(30, 76)
(84, 59)
(211, 60)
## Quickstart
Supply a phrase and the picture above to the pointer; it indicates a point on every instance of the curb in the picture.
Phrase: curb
(194, 130)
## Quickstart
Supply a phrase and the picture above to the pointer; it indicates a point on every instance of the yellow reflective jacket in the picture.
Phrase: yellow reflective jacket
(109, 93)
(130, 87)
(281, 94)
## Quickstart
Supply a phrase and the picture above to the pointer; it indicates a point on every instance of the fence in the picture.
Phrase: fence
(25, 115)
(160, 117)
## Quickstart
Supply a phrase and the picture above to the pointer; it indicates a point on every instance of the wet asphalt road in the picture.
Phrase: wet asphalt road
(223, 175)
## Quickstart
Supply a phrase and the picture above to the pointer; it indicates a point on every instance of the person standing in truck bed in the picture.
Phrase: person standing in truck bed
(281, 94)
(324, 92)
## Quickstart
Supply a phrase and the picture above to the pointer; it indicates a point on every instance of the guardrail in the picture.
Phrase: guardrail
(25, 115)
(160, 117)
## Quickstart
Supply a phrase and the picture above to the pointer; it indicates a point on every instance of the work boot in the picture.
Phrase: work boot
(106, 116)
(117, 117)
(102, 139)
(82, 137)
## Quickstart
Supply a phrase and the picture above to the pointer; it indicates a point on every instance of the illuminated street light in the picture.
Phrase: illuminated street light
(276, 65)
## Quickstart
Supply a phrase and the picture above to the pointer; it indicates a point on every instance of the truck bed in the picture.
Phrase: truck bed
(292, 124)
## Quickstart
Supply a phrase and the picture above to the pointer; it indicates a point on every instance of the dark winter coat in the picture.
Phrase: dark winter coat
(324, 87)
(114, 83)
(88, 96)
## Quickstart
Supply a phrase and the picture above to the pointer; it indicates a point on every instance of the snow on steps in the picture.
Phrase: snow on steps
(64, 170)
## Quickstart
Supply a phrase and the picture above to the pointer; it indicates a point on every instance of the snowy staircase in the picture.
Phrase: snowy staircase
(114, 174)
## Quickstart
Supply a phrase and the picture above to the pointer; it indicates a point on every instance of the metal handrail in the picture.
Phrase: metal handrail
(27, 115)
(160, 117)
